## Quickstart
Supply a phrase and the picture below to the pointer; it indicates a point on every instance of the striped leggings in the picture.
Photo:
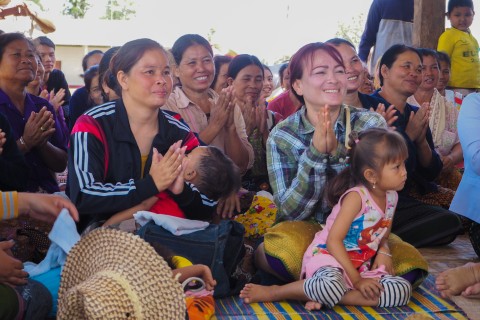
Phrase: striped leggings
(328, 286)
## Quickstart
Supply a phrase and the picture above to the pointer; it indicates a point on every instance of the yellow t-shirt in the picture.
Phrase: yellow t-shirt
(180, 262)
(463, 50)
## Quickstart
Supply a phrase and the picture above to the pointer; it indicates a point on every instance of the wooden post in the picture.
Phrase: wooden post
(428, 22)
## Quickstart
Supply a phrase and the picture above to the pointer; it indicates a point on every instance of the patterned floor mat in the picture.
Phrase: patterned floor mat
(425, 301)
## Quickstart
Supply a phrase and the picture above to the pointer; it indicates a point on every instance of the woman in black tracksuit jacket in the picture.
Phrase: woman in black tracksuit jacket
(112, 163)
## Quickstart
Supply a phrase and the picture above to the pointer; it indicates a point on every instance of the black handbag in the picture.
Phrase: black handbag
(219, 246)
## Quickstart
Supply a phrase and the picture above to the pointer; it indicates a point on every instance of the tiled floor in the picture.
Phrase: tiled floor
(456, 254)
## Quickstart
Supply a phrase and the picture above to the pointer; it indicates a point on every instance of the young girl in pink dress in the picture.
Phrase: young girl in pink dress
(349, 261)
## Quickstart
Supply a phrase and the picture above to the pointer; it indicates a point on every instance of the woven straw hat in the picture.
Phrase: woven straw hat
(111, 274)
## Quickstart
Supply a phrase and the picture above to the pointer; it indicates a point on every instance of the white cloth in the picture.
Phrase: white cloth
(265, 194)
(63, 236)
(450, 96)
(175, 225)
(442, 122)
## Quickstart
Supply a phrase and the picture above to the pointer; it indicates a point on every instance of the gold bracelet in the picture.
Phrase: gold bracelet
(385, 253)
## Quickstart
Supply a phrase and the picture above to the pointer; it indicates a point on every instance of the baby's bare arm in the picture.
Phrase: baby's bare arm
(128, 213)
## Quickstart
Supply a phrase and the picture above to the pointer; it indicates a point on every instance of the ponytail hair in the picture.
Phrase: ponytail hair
(369, 149)
(345, 180)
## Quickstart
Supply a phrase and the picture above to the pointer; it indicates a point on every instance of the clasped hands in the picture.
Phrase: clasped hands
(222, 112)
(168, 170)
(418, 124)
(324, 139)
(55, 99)
(39, 128)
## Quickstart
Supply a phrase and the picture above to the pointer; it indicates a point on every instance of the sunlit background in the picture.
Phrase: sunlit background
(270, 29)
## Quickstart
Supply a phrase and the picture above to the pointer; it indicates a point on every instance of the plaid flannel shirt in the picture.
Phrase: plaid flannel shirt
(297, 170)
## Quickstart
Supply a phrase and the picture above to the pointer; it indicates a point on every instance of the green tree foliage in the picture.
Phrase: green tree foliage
(353, 31)
(282, 59)
(210, 35)
(76, 8)
(119, 10)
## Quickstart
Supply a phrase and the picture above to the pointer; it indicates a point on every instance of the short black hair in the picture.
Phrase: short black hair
(338, 41)
(219, 61)
(281, 71)
(104, 74)
(219, 176)
(88, 55)
(427, 52)
(9, 37)
(45, 41)
(391, 55)
(186, 41)
(242, 61)
(444, 57)
(90, 73)
(452, 4)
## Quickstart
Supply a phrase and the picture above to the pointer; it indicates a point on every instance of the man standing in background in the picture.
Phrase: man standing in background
(388, 22)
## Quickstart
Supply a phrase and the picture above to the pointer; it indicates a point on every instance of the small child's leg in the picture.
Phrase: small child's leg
(326, 286)
(256, 293)
(355, 298)
(396, 292)
(313, 305)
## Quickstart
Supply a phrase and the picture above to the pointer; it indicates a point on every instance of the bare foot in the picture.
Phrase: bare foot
(453, 281)
(313, 305)
(472, 291)
(256, 293)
